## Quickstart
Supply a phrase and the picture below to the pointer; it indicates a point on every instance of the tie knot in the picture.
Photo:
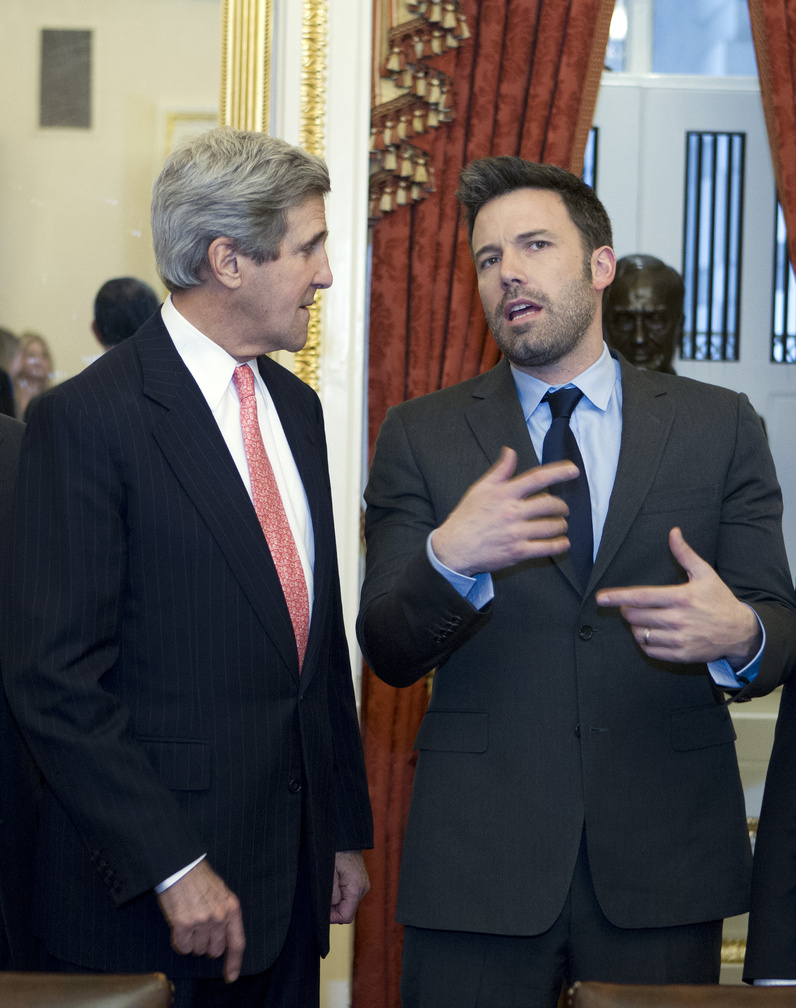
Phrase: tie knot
(563, 402)
(244, 381)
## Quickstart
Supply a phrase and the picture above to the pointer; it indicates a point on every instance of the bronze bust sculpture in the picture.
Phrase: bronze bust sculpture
(643, 312)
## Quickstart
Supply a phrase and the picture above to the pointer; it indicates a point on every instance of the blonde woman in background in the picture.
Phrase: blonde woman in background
(31, 370)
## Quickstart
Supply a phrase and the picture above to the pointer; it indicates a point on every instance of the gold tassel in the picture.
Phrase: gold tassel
(387, 132)
(400, 198)
(420, 175)
(390, 162)
(406, 164)
(433, 117)
(436, 43)
(434, 92)
(449, 17)
(420, 83)
(444, 102)
(395, 63)
(418, 120)
(377, 139)
(436, 12)
(463, 32)
(403, 121)
(418, 43)
(385, 203)
(451, 41)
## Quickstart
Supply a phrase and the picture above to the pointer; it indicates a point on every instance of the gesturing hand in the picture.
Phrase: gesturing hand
(504, 519)
(699, 621)
(205, 919)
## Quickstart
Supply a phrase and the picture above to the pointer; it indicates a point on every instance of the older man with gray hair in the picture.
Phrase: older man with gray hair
(178, 662)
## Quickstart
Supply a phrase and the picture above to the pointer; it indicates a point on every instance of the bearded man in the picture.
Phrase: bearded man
(577, 810)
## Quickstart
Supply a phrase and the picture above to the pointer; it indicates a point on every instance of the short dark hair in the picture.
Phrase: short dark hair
(487, 178)
(121, 307)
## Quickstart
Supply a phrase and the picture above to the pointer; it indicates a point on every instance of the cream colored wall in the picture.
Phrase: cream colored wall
(74, 204)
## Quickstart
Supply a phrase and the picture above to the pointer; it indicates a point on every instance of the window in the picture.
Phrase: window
(590, 159)
(712, 235)
(783, 322)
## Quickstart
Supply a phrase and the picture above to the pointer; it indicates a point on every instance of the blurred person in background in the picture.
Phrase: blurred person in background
(121, 306)
(31, 371)
(8, 347)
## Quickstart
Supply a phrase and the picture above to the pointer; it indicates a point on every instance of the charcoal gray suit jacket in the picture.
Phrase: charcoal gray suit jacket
(153, 667)
(545, 715)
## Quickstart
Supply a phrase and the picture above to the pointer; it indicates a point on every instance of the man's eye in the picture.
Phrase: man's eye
(489, 261)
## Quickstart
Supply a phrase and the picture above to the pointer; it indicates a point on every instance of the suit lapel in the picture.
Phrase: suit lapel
(496, 419)
(189, 438)
(647, 415)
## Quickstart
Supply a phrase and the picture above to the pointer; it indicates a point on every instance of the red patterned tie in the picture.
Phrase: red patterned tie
(271, 511)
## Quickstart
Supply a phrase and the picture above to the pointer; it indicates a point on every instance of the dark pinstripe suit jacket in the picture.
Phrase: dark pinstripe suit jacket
(19, 779)
(153, 667)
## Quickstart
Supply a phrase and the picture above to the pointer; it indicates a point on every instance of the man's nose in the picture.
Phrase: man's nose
(639, 330)
(323, 278)
(513, 269)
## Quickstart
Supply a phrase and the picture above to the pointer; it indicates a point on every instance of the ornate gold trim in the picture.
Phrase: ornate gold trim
(246, 33)
(312, 138)
(733, 951)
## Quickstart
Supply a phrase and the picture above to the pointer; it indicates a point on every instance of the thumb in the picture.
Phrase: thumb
(503, 469)
(691, 562)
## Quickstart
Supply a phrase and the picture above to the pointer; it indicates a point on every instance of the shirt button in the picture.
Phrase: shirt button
(294, 786)
(585, 632)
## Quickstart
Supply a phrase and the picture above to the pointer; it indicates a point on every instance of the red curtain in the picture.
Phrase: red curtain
(774, 32)
(526, 84)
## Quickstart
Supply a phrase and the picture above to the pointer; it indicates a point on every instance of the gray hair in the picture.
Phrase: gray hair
(230, 183)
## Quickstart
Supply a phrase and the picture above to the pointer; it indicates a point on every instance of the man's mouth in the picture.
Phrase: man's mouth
(521, 309)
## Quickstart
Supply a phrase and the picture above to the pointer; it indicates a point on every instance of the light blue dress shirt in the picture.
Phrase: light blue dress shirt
(597, 425)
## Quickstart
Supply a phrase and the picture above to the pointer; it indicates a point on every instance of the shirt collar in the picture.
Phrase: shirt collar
(596, 383)
(211, 366)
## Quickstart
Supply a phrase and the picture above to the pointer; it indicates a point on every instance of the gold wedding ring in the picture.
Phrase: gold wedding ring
(647, 636)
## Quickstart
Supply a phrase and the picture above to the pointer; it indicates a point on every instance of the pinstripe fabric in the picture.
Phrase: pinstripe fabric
(20, 786)
(154, 668)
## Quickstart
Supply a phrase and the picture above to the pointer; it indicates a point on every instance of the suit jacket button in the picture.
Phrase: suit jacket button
(294, 786)
(585, 632)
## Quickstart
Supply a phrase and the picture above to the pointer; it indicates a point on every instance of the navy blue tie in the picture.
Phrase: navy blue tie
(560, 443)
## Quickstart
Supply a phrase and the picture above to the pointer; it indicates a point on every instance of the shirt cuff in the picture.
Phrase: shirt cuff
(478, 590)
(774, 983)
(178, 875)
(725, 676)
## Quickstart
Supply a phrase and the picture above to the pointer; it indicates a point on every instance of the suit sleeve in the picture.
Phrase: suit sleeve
(411, 618)
(751, 557)
(68, 564)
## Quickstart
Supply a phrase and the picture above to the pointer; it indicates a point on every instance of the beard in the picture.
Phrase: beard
(542, 342)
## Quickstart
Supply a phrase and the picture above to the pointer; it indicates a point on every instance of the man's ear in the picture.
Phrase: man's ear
(224, 259)
(603, 267)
